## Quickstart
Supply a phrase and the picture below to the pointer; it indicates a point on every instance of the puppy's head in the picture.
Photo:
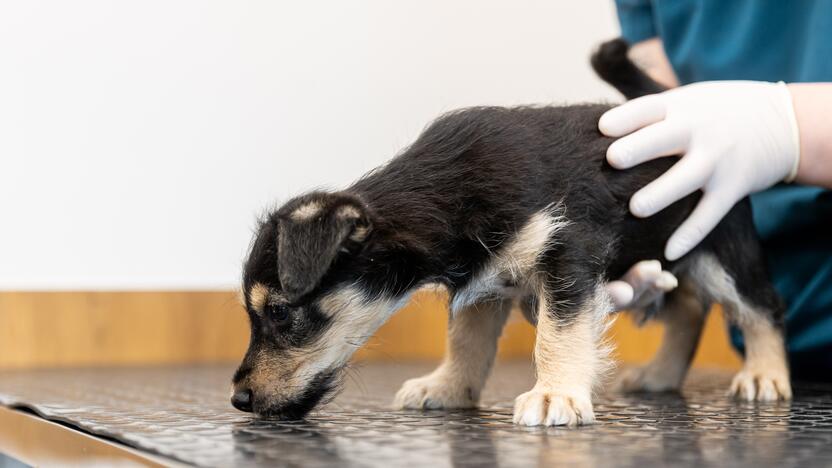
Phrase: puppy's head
(307, 310)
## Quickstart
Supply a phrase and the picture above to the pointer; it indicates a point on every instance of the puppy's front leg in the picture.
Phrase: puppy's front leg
(472, 344)
(570, 356)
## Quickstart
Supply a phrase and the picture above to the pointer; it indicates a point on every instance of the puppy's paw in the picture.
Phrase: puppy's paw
(646, 379)
(435, 391)
(761, 385)
(540, 407)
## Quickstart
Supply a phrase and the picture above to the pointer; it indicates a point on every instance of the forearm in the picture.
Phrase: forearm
(813, 111)
(650, 56)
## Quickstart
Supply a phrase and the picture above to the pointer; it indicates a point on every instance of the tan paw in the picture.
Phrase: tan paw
(545, 408)
(646, 379)
(435, 391)
(761, 385)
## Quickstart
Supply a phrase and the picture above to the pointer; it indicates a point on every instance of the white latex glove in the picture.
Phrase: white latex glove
(736, 138)
(641, 285)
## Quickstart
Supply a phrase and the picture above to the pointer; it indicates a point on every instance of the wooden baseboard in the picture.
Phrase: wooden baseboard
(59, 329)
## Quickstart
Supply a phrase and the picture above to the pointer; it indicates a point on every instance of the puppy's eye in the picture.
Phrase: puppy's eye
(279, 313)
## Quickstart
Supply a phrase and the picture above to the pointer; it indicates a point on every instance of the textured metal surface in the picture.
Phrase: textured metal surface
(35, 441)
(183, 413)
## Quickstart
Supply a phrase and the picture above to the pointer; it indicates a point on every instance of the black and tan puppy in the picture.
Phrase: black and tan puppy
(502, 206)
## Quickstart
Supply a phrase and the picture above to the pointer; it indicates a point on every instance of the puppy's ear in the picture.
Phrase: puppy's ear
(314, 230)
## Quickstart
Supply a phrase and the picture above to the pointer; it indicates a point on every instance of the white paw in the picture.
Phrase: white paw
(646, 379)
(545, 408)
(435, 391)
(761, 385)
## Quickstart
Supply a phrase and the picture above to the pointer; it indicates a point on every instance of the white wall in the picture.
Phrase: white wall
(139, 140)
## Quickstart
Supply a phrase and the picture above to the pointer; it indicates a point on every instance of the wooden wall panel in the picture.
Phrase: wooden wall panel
(100, 328)
(49, 329)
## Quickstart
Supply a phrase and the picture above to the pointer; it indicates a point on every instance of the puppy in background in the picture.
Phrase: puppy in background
(503, 207)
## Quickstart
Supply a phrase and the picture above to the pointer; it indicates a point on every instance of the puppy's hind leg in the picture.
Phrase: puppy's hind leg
(765, 373)
(569, 359)
(472, 345)
(683, 316)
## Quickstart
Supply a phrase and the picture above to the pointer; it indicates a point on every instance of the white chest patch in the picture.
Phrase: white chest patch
(510, 269)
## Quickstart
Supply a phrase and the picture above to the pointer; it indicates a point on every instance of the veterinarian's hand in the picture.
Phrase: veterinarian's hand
(736, 138)
(641, 285)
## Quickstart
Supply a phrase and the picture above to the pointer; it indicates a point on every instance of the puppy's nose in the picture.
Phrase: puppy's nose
(242, 400)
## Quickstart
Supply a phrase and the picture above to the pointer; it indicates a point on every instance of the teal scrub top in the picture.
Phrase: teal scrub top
(767, 40)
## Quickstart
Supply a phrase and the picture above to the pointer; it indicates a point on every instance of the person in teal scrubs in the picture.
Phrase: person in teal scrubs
(750, 110)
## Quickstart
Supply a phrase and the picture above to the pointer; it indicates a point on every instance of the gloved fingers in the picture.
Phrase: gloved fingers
(662, 138)
(711, 209)
(621, 294)
(642, 273)
(643, 283)
(666, 282)
(685, 177)
(632, 115)
(649, 282)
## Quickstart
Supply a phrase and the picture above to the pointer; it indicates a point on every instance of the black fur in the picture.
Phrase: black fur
(474, 178)
(611, 63)
(441, 208)
(306, 250)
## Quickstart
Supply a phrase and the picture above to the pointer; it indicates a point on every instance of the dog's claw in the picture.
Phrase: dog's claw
(429, 404)
(546, 408)
(762, 385)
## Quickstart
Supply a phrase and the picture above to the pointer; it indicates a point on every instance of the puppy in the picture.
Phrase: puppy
(503, 207)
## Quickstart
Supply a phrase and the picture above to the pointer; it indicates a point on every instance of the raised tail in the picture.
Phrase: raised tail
(613, 65)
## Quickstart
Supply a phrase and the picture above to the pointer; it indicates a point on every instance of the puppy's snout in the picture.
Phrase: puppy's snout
(242, 400)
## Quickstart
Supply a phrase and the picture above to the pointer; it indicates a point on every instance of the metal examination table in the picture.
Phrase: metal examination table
(181, 415)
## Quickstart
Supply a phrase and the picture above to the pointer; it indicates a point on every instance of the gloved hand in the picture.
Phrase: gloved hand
(735, 138)
(641, 285)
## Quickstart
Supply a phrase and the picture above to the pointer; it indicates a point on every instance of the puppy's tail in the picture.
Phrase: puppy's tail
(613, 65)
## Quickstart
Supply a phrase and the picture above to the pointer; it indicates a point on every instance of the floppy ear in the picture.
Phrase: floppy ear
(314, 230)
